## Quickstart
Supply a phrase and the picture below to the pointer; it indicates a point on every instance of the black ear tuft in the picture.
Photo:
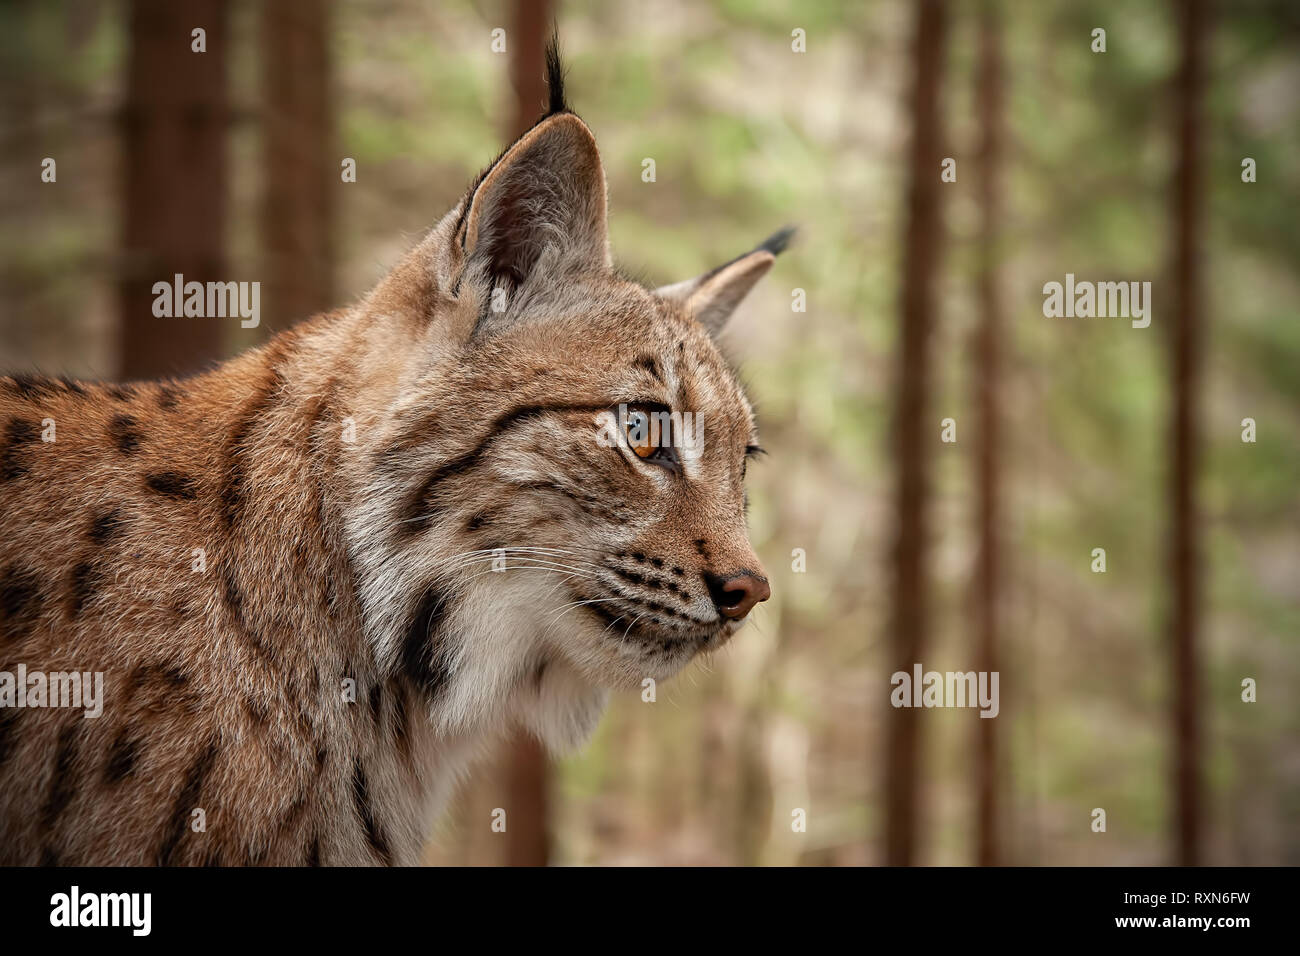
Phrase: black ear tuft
(555, 77)
(776, 242)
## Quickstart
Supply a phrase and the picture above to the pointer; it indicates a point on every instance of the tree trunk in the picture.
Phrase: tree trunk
(300, 168)
(527, 839)
(1186, 334)
(174, 189)
(530, 31)
(988, 355)
(914, 432)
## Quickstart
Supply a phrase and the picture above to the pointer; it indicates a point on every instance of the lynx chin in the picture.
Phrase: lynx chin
(319, 683)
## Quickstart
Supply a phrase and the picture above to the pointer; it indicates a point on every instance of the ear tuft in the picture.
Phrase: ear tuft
(777, 242)
(712, 297)
(555, 77)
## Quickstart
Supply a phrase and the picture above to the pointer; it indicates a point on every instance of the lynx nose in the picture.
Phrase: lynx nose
(735, 596)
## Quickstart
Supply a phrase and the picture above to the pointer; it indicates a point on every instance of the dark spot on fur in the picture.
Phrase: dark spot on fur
(18, 433)
(233, 597)
(105, 525)
(186, 801)
(156, 689)
(374, 833)
(83, 583)
(234, 600)
(122, 430)
(478, 521)
(167, 680)
(172, 676)
(313, 852)
(168, 397)
(20, 592)
(120, 393)
(376, 702)
(31, 387)
(402, 724)
(232, 487)
(657, 562)
(609, 617)
(679, 572)
(421, 659)
(648, 363)
(172, 484)
(122, 757)
(61, 783)
(8, 722)
(638, 557)
(632, 576)
(256, 711)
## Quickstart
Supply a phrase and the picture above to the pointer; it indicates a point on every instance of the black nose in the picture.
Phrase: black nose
(735, 596)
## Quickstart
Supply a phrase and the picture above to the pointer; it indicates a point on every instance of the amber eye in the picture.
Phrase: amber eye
(638, 426)
(649, 433)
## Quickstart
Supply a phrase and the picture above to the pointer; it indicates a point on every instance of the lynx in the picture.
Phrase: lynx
(322, 578)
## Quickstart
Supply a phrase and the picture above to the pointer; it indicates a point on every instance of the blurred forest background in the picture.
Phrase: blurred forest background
(1119, 690)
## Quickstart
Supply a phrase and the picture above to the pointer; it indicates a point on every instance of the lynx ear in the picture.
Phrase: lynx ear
(712, 297)
(544, 197)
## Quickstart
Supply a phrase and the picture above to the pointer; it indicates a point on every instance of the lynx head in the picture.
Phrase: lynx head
(560, 483)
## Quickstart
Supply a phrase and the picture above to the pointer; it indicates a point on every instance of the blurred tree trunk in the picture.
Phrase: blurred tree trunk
(22, 105)
(527, 839)
(914, 432)
(300, 168)
(530, 31)
(1186, 335)
(752, 814)
(174, 189)
(988, 356)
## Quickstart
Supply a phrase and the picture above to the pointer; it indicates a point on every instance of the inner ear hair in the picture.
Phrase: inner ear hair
(712, 297)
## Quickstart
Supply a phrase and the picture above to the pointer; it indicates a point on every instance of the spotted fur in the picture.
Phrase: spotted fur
(284, 567)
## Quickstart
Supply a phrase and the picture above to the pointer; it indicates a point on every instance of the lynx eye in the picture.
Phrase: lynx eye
(648, 430)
